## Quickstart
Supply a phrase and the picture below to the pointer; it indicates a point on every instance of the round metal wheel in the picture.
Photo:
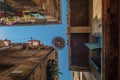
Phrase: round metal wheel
(58, 43)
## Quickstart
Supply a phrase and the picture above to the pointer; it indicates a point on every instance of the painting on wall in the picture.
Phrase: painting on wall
(30, 12)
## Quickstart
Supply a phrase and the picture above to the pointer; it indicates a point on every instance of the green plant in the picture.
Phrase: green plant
(53, 70)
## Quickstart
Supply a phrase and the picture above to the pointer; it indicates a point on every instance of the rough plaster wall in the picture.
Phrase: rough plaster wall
(96, 27)
(1, 43)
(97, 18)
(97, 8)
(75, 75)
(89, 76)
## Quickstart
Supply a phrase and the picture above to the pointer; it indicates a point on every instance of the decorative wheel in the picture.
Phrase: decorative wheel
(58, 43)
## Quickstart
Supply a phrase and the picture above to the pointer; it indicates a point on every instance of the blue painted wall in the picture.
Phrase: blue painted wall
(45, 33)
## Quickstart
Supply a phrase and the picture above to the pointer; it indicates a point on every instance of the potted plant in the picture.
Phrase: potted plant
(52, 70)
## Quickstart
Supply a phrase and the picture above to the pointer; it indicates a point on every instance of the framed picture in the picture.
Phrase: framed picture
(30, 12)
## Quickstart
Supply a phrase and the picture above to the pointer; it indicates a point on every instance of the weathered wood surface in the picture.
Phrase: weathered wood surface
(110, 40)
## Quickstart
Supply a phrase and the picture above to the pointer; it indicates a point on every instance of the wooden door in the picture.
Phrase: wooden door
(79, 52)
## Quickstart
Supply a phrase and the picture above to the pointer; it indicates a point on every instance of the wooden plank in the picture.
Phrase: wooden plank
(79, 68)
(80, 29)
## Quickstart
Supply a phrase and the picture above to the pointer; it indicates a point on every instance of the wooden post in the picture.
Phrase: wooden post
(119, 39)
(110, 40)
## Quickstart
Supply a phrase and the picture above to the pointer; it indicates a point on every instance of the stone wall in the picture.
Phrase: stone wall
(40, 72)
(1, 43)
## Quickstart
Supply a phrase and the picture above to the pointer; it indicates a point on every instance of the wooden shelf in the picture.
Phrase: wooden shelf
(80, 29)
(93, 45)
(93, 63)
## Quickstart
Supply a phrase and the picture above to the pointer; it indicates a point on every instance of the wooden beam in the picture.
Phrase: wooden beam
(110, 52)
(119, 40)
(80, 29)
